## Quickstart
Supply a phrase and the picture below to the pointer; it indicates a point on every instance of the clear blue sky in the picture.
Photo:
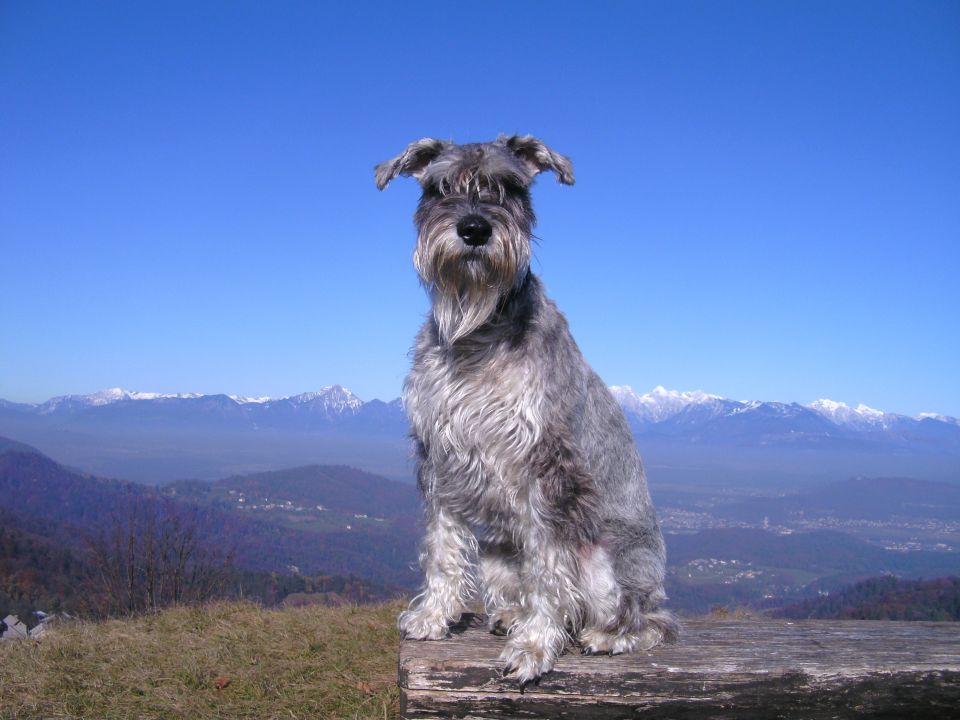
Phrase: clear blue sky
(767, 202)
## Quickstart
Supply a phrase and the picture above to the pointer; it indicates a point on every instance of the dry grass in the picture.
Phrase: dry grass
(294, 663)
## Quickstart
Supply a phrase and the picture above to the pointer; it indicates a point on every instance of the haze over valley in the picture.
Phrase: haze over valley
(762, 503)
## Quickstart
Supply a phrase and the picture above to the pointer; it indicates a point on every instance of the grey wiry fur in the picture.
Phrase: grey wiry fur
(526, 464)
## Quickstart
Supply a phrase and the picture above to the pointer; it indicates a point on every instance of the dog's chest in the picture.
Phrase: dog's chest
(478, 417)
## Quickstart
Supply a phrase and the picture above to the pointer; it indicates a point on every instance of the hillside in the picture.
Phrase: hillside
(760, 569)
(341, 532)
(894, 513)
(35, 571)
(335, 487)
(861, 498)
(319, 496)
(8, 444)
(884, 598)
(49, 516)
(821, 551)
(325, 518)
(32, 484)
(290, 663)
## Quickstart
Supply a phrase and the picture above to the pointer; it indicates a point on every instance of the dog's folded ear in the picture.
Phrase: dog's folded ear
(538, 157)
(411, 161)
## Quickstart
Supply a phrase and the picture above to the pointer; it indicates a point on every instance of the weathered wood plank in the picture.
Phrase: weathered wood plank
(741, 669)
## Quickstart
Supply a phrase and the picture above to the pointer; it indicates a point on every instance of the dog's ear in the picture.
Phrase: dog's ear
(538, 157)
(411, 161)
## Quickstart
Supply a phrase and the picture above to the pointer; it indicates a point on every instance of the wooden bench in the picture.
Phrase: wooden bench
(737, 669)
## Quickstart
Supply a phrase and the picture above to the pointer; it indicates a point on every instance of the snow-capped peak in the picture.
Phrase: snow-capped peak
(747, 406)
(108, 397)
(825, 406)
(332, 397)
(105, 397)
(937, 416)
(866, 411)
(651, 408)
(659, 403)
(843, 414)
(243, 400)
(134, 395)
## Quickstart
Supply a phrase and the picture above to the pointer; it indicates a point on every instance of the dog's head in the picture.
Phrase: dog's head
(474, 221)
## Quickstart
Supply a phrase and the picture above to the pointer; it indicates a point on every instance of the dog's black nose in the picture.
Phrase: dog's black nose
(474, 230)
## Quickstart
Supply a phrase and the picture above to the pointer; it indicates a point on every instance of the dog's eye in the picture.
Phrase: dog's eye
(513, 188)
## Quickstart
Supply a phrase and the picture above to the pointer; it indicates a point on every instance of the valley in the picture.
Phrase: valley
(725, 548)
(761, 504)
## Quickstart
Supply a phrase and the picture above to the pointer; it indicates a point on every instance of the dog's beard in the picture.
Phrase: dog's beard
(467, 285)
(463, 303)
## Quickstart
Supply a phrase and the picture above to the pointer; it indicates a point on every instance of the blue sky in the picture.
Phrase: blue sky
(767, 202)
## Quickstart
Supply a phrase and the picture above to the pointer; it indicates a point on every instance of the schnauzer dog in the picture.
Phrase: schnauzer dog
(526, 464)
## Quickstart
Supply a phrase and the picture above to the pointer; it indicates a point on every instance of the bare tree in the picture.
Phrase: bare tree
(153, 553)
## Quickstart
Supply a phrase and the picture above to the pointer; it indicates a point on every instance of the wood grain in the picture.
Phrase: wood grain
(719, 669)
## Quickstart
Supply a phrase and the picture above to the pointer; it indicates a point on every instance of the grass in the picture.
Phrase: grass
(224, 660)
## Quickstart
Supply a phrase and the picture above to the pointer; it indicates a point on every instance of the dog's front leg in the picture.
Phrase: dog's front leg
(445, 558)
(548, 605)
(560, 519)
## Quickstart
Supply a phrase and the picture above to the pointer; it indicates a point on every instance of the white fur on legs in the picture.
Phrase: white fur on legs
(601, 591)
(602, 595)
(535, 644)
(596, 641)
(501, 590)
(552, 602)
(448, 549)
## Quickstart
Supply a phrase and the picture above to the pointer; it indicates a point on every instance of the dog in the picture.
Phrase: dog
(526, 463)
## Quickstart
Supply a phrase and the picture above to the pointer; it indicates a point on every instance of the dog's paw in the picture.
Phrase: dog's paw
(421, 625)
(525, 662)
(599, 642)
(501, 621)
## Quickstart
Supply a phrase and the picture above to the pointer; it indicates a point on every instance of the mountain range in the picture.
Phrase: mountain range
(662, 410)
(688, 436)
(332, 405)
(700, 415)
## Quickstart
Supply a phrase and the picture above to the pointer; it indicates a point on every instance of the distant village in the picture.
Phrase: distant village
(900, 534)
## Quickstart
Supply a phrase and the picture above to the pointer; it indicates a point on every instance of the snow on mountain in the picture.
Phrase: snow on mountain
(665, 409)
(243, 400)
(106, 397)
(333, 398)
(940, 418)
(861, 416)
(660, 404)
